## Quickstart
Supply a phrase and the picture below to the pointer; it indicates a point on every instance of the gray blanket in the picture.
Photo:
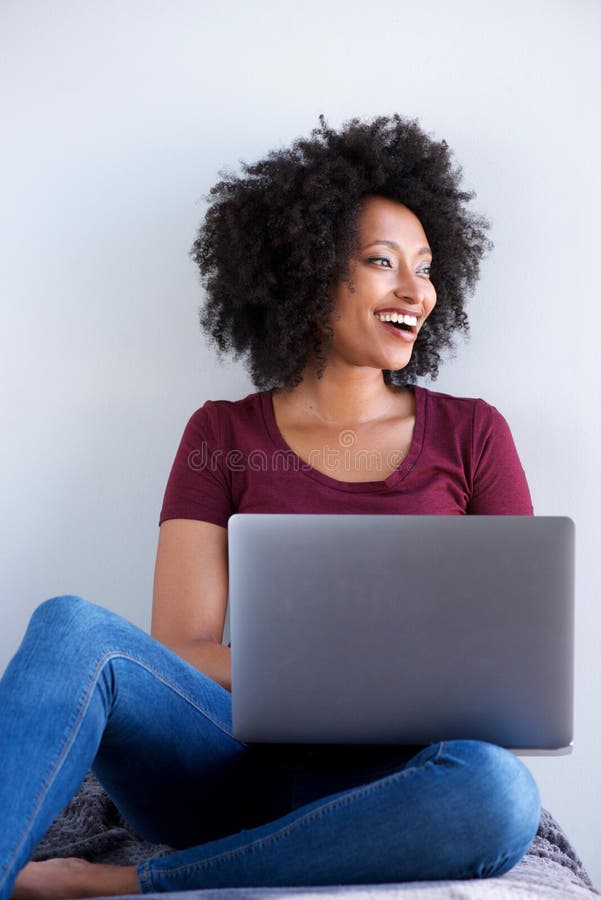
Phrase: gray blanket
(91, 827)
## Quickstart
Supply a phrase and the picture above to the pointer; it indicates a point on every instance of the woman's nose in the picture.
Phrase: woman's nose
(411, 287)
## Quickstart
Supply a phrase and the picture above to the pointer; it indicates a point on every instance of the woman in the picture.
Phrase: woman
(307, 261)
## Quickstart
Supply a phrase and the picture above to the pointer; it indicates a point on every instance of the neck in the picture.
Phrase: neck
(344, 396)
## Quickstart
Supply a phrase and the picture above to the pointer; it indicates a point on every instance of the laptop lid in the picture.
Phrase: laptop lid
(393, 629)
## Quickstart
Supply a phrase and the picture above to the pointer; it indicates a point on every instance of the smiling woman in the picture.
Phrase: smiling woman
(380, 289)
(277, 238)
(339, 268)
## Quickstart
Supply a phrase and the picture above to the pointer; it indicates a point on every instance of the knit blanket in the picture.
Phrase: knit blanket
(90, 827)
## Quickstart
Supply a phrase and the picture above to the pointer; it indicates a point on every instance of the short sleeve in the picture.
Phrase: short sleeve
(499, 484)
(198, 486)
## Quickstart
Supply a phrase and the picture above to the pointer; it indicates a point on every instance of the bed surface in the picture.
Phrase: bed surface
(91, 827)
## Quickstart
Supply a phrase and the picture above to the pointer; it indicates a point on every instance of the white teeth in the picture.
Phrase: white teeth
(397, 317)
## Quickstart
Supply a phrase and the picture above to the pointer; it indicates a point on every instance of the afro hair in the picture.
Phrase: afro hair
(275, 239)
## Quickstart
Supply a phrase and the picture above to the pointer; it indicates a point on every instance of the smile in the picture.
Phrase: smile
(403, 327)
(397, 319)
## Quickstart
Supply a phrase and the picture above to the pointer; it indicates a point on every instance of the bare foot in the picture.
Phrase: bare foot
(63, 879)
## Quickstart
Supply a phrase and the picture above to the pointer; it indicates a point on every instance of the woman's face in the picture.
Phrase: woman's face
(389, 273)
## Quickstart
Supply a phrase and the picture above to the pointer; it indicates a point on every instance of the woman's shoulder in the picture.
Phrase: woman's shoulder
(240, 406)
(224, 421)
(229, 409)
(481, 426)
(456, 404)
(471, 416)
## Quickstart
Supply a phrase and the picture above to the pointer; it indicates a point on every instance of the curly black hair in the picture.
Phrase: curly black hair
(276, 239)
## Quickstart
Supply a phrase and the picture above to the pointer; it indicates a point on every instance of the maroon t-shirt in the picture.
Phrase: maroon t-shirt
(233, 458)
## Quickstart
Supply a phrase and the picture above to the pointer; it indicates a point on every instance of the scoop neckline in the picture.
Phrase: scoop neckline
(386, 484)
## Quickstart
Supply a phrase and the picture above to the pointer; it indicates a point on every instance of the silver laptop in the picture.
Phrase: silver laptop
(394, 629)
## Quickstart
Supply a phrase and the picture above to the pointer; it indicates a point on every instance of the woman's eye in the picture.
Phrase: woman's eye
(425, 270)
(380, 259)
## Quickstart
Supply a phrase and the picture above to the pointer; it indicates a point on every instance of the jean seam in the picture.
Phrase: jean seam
(499, 861)
(339, 802)
(441, 749)
(144, 877)
(166, 681)
(72, 734)
(60, 757)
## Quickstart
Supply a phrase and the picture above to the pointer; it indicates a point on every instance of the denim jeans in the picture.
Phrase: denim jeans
(88, 689)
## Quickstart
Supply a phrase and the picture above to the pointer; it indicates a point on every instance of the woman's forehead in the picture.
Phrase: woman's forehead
(381, 219)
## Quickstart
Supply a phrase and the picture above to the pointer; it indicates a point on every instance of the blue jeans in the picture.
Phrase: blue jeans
(88, 689)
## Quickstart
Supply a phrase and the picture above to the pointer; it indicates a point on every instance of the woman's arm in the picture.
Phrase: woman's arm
(189, 601)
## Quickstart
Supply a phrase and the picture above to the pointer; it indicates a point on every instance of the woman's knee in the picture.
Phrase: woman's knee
(505, 805)
(66, 607)
(71, 619)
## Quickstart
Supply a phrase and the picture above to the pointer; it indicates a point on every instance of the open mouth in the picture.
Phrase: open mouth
(403, 330)
(400, 330)
(402, 326)
(398, 320)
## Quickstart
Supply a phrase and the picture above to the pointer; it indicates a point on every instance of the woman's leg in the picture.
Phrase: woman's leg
(458, 809)
(88, 689)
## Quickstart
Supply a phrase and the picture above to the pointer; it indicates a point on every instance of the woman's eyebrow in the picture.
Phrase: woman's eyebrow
(421, 252)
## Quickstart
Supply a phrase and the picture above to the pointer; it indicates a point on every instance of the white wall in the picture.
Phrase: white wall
(116, 118)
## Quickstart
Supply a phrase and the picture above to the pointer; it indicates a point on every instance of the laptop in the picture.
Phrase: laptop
(402, 629)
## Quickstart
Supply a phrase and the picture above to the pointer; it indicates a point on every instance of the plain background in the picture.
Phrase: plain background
(117, 117)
